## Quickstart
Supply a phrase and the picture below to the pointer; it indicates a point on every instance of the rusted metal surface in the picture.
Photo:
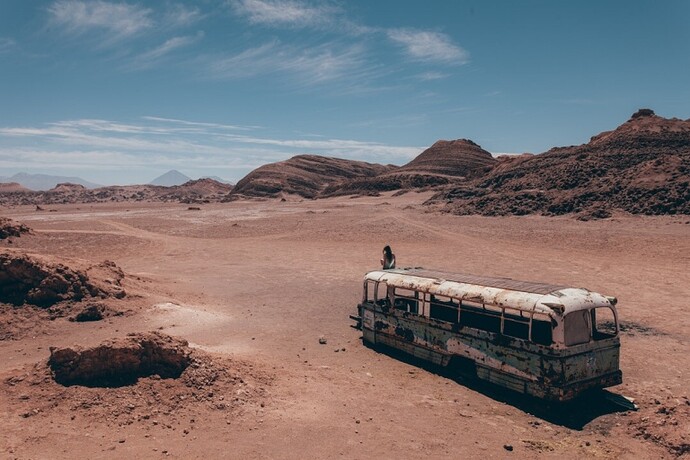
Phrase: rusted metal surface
(522, 295)
(555, 371)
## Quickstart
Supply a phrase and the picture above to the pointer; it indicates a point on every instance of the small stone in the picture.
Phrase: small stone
(508, 447)
(322, 340)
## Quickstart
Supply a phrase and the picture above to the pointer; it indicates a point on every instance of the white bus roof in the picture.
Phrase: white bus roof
(549, 299)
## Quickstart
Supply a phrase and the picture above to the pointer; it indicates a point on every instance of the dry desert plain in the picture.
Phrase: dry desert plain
(254, 285)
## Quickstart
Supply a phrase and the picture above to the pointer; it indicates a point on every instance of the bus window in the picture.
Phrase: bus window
(486, 317)
(444, 309)
(407, 300)
(577, 327)
(370, 291)
(382, 294)
(515, 324)
(541, 329)
(603, 323)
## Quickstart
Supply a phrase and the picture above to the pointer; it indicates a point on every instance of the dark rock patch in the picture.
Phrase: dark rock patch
(9, 228)
(31, 280)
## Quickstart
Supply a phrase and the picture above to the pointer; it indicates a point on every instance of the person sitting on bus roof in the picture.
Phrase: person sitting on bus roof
(388, 260)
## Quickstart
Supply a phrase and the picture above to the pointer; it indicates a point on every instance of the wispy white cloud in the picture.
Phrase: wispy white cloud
(117, 20)
(6, 44)
(429, 46)
(99, 145)
(154, 56)
(326, 62)
(283, 12)
(181, 15)
(200, 124)
(428, 76)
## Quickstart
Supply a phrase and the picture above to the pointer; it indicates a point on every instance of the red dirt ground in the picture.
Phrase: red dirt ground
(253, 286)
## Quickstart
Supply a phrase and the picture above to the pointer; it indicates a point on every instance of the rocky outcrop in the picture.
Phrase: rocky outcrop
(9, 228)
(34, 281)
(121, 362)
(641, 167)
(304, 175)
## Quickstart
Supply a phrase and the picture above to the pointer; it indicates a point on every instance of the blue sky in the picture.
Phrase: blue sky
(120, 92)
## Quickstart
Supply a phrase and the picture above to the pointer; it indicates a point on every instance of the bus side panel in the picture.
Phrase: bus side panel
(404, 333)
(512, 363)
(593, 363)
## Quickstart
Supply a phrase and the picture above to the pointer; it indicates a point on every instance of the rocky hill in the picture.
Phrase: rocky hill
(304, 175)
(445, 162)
(641, 167)
(458, 158)
(195, 191)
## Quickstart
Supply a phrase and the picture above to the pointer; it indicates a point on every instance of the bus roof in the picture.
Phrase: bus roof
(550, 299)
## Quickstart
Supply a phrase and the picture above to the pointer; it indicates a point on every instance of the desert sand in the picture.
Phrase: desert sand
(255, 285)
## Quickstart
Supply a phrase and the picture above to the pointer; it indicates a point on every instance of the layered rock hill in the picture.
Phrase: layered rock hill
(443, 163)
(641, 167)
(459, 158)
(304, 175)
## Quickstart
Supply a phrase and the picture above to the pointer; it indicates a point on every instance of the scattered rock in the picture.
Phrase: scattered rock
(9, 228)
(322, 340)
(92, 312)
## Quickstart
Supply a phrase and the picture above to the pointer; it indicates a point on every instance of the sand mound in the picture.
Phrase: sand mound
(9, 228)
(120, 362)
(31, 280)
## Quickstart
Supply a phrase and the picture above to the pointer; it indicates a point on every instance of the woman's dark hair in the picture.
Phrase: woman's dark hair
(387, 250)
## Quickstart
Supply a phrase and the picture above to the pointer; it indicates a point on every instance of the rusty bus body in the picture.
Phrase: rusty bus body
(548, 341)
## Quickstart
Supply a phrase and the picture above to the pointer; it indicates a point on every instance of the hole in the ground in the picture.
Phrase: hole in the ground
(121, 362)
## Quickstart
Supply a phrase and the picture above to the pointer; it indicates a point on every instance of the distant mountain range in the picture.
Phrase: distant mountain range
(44, 181)
(172, 177)
(641, 167)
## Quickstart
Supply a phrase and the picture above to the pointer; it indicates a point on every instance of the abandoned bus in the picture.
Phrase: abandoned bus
(548, 341)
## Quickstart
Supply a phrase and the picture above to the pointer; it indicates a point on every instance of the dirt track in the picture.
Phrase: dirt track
(258, 283)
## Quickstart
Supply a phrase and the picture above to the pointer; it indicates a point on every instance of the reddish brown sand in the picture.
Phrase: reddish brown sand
(255, 285)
